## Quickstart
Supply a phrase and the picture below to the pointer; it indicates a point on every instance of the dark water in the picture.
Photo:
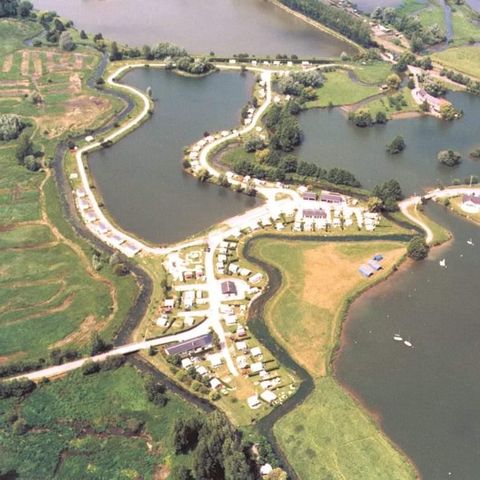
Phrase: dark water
(141, 179)
(200, 26)
(428, 397)
(332, 141)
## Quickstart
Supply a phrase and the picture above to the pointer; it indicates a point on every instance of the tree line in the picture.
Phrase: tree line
(335, 18)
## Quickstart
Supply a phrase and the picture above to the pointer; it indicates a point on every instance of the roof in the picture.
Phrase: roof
(229, 287)
(268, 396)
(314, 213)
(471, 198)
(309, 196)
(374, 264)
(204, 341)
(331, 198)
(365, 270)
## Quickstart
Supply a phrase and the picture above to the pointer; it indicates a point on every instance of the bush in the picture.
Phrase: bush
(16, 388)
(417, 248)
(361, 118)
(10, 126)
(450, 158)
(397, 145)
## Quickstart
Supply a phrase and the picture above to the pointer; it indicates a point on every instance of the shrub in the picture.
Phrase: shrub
(450, 158)
(10, 126)
(417, 248)
(397, 145)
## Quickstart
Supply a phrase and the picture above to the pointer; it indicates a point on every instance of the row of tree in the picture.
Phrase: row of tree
(473, 86)
(337, 19)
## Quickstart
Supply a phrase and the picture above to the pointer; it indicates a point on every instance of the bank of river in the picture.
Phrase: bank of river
(426, 397)
(141, 179)
(224, 26)
(332, 141)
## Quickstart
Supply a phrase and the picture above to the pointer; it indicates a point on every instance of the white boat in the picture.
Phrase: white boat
(408, 343)
(443, 263)
(397, 338)
(470, 242)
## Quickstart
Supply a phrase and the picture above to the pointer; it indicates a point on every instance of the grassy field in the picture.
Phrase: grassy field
(440, 234)
(97, 427)
(463, 59)
(374, 73)
(455, 205)
(339, 89)
(464, 27)
(329, 436)
(51, 295)
(305, 315)
(384, 104)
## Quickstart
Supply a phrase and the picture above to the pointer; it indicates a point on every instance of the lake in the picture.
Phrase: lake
(427, 398)
(141, 179)
(332, 141)
(223, 26)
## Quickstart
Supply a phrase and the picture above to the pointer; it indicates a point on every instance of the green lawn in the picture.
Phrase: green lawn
(463, 59)
(339, 89)
(374, 73)
(93, 427)
(14, 32)
(463, 27)
(329, 436)
(384, 104)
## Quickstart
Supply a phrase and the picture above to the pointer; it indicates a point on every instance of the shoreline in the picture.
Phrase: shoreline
(317, 25)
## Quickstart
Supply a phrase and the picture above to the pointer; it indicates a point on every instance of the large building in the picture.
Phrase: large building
(195, 345)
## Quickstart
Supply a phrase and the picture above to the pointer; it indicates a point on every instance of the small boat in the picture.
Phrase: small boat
(397, 338)
(443, 263)
(470, 242)
(408, 343)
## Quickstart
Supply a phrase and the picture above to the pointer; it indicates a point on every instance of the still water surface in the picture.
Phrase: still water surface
(427, 397)
(332, 141)
(141, 179)
(201, 26)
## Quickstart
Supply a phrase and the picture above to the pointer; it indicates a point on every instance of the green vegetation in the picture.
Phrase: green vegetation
(464, 59)
(464, 27)
(417, 248)
(339, 89)
(373, 72)
(329, 436)
(389, 193)
(335, 18)
(397, 145)
(450, 158)
(99, 425)
(393, 104)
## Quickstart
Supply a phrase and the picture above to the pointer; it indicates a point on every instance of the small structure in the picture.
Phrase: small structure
(378, 257)
(471, 203)
(241, 346)
(375, 265)
(268, 396)
(256, 352)
(310, 196)
(195, 345)
(201, 370)
(215, 360)
(186, 363)
(366, 271)
(256, 278)
(241, 332)
(256, 367)
(215, 383)
(169, 304)
(316, 213)
(242, 362)
(229, 288)
(253, 402)
(266, 469)
(329, 197)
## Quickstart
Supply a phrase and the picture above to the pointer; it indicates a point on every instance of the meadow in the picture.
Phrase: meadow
(98, 426)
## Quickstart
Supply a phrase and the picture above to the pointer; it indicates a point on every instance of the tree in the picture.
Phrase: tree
(83, 35)
(185, 434)
(24, 148)
(25, 8)
(417, 248)
(393, 81)
(374, 204)
(448, 112)
(361, 118)
(381, 117)
(97, 344)
(181, 472)
(10, 126)
(65, 42)
(115, 53)
(397, 145)
(450, 158)
(390, 193)
(156, 392)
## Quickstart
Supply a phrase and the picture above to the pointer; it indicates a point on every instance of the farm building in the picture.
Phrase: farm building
(196, 345)
(471, 203)
(329, 197)
(268, 396)
(309, 196)
(314, 213)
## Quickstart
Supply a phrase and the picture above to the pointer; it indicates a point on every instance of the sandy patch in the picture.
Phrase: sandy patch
(50, 61)
(7, 63)
(75, 83)
(25, 65)
(17, 83)
(161, 472)
(14, 92)
(78, 65)
(37, 65)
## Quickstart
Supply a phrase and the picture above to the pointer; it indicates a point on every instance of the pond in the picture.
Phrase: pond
(141, 178)
(332, 141)
(426, 397)
(223, 26)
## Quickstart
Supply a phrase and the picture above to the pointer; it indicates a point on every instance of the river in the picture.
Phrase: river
(141, 178)
(223, 26)
(332, 141)
(427, 397)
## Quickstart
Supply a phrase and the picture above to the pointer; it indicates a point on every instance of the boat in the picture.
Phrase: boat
(470, 242)
(397, 338)
(443, 263)
(408, 343)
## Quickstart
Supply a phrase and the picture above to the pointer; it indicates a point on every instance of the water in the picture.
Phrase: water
(141, 179)
(427, 397)
(201, 26)
(332, 141)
